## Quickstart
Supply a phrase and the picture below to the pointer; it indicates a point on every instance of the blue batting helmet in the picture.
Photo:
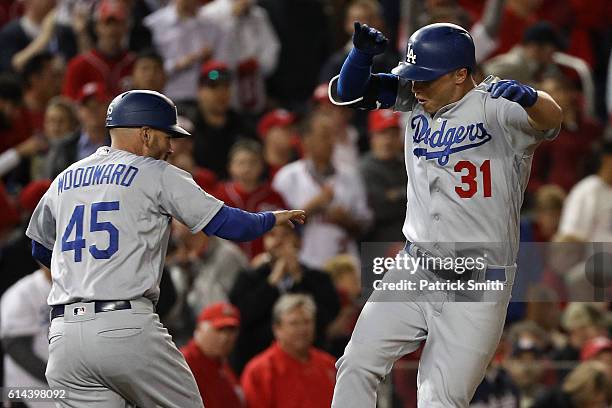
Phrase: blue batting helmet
(138, 108)
(435, 50)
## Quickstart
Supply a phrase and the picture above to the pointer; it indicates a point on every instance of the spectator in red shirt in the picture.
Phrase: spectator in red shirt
(246, 190)
(565, 161)
(14, 125)
(599, 348)
(206, 354)
(291, 373)
(281, 142)
(42, 79)
(516, 17)
(109, 63)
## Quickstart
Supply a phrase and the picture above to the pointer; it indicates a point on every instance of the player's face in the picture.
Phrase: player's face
(157, 145)
(433, 95)
(296, 329)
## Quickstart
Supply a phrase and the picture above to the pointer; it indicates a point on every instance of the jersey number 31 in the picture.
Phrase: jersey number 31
(469, 185)
(76, 223)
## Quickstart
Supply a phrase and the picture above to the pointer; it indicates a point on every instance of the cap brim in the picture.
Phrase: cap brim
(416, 73)
(225, 322)
(177, 131)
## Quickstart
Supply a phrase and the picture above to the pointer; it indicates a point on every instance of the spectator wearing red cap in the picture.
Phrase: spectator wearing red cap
(92, 104)
(346, 137)
(280, 140)
(384, 176)
(206, 354)
(109, 62)
(217, 127)
(251, 49)
(291, 373)
(246, 189)
(599, 348)
(184, 41)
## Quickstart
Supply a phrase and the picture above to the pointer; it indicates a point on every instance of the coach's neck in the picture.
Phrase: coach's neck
(127, 139)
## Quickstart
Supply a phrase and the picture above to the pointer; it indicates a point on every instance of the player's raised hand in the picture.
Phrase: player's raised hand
(369, 40)
(514, 91)
(288, 217)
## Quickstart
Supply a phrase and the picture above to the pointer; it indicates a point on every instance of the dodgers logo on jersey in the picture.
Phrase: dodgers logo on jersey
(446, 141)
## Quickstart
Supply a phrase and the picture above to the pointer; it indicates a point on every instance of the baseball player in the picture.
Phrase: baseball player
(103, 227)
(468, 154)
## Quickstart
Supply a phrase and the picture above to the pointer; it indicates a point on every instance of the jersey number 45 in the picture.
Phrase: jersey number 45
(76, 223)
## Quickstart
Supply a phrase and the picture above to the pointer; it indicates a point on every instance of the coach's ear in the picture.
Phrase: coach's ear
(145, 134)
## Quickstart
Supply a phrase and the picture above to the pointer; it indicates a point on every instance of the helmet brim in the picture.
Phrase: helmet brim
(176, 131)
(415, 73)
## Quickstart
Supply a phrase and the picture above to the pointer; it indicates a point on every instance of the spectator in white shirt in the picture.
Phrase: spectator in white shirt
(251, 49)
(334, 198)
(184, 40)
(587, 212)
(24, 326)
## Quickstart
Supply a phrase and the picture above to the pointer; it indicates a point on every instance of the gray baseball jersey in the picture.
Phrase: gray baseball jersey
(468, 167)
(107, 220)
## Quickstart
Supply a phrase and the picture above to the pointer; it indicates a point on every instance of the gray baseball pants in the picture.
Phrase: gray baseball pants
(461, 329)
(119, 358)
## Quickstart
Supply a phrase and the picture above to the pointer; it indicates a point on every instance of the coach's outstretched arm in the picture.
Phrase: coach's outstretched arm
(238, 225)
(543, 112)
(357, 87)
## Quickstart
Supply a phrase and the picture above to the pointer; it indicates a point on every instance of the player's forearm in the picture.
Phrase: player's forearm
(354, 75)
(545, 113)
(238, 225)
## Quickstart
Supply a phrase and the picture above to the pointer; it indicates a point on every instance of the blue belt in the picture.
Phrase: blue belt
(99, 307)
(491, 274)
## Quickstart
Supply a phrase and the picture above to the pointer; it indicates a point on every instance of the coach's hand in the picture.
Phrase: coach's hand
(514, 91)
(369, 40)
(289, 217)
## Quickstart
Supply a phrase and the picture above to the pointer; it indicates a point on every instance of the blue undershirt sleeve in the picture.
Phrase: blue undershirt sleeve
(354, 75)
(41, 253)
(238, 225)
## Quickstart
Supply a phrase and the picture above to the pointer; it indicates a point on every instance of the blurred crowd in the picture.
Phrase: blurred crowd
(261, 323)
